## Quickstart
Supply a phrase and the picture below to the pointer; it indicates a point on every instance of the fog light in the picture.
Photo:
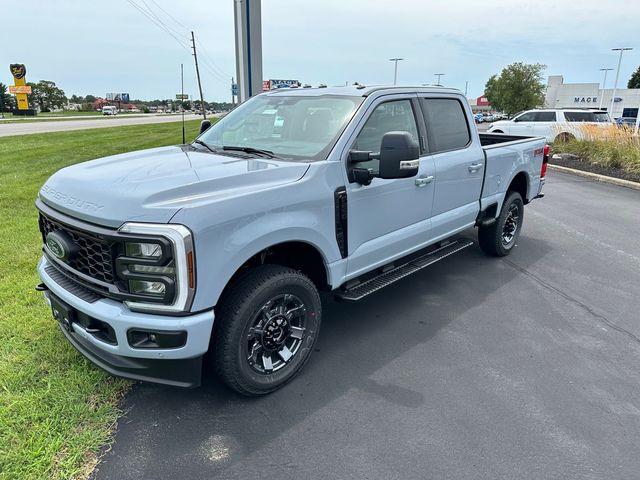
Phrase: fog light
(147, 288)
(155, 339)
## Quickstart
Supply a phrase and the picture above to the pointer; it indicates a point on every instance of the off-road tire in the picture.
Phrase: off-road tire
(491, 238)
(235, 315)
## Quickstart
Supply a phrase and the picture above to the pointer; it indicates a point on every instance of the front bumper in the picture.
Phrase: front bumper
(173, 366)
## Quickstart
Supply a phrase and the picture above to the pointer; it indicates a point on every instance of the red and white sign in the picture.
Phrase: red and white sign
(482, 102)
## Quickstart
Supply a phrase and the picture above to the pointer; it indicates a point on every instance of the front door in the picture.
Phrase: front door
(388, 218)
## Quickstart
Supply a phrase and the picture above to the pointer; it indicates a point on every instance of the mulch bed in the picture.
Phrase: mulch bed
(571, 161)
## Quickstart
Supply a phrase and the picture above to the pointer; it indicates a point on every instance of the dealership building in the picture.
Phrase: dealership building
(589, 95)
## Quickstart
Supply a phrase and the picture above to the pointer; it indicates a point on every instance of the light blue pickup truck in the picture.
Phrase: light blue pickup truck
(153, 259)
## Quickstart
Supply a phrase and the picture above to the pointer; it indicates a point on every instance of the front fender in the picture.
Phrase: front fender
(222, 247)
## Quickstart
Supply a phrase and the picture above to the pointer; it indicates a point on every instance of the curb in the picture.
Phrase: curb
(595, 176)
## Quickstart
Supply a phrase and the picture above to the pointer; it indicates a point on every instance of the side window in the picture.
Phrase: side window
(393, 116)
(545, 117)
(526, 117)
(579, 116)
(447, 125)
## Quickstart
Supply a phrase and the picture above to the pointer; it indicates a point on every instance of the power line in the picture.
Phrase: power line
(171, 16)
(158, 24)
(150, 11)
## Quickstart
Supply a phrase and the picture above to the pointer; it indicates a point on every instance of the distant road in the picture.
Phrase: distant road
(83, 124)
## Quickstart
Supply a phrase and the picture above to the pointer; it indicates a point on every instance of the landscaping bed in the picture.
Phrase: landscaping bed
(610, 151)
(572, 161)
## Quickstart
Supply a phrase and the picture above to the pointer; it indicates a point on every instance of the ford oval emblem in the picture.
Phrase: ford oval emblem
(58, 245)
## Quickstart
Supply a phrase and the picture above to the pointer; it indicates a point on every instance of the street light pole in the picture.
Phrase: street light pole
(395, 68)
(604, 84)
(615, 85)
(438, 75)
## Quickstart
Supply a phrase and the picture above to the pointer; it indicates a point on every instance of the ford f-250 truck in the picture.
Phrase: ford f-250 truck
(152, 259)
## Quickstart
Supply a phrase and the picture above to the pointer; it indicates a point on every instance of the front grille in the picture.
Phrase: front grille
(95, 254)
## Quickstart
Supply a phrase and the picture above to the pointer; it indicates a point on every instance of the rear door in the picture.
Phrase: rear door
(459, 163)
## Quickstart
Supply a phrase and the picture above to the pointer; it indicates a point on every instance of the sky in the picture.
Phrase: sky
(100, 46)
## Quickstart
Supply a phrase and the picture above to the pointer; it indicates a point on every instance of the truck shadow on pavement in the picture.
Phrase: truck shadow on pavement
(174, 433)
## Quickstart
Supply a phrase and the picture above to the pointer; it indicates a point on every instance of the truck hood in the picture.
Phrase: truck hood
(153, 185)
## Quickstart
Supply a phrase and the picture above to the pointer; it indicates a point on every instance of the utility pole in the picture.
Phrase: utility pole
(184, 140)
(195, 57)
(604, 84)
(466, 87)
(438, 75)
(395, 69)
(615, 85)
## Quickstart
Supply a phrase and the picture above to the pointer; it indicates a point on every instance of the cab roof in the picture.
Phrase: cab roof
(360, 90)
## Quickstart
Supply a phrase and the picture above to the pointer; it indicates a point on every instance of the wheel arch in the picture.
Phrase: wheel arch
(520, 183)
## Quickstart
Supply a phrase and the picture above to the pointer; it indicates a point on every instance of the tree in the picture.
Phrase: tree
(76, 99)
(5, 98)
(47, 95)
(634, 81)
(518, 87)
(90, 99)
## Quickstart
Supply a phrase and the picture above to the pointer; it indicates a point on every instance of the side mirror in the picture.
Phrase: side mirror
(204, 125)
(399, 155)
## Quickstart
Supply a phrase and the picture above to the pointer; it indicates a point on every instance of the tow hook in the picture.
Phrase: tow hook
(41, 287)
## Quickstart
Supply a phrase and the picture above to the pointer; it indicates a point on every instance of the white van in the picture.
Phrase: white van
(109, 110)
(553, 124)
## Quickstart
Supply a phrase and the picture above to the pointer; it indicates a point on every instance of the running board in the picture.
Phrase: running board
(361, 290)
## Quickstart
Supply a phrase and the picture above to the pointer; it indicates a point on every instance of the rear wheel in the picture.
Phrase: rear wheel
(265, 329)
(497, 131)
(499, 238)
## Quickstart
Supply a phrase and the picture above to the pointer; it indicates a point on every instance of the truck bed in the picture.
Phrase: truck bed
(505, 156)
(489, 139)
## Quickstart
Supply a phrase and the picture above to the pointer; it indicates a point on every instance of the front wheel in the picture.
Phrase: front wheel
(265, 329)
(499, 238)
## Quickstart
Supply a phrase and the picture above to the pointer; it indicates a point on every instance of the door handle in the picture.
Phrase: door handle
(423, 181)
(474, 167)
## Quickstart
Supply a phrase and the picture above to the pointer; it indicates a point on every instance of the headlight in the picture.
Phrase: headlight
(157, 267)
(149, 250)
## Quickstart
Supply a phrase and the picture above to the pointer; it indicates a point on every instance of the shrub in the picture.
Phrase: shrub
(609, 146)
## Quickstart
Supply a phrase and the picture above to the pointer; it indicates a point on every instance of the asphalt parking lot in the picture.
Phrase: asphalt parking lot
(526, 367)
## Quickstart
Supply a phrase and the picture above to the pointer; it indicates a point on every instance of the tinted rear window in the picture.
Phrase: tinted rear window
(446, 124)
(585, 117)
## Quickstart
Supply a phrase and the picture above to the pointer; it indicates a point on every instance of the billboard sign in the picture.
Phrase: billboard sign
(117, 97)
(181, 96)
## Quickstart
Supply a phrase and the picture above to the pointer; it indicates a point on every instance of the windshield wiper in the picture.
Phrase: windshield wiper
(257, 151)
(200, 142)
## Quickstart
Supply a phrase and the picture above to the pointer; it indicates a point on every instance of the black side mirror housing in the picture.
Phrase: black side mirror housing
(204, 125)
(399, 155)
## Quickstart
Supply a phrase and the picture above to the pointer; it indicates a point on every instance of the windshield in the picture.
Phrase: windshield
(292, 127)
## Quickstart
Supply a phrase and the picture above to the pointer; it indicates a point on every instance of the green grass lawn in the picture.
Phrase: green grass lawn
(56, 409)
